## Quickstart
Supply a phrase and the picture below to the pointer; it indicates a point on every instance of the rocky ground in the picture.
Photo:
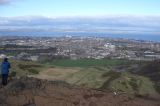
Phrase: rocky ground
(36, 92)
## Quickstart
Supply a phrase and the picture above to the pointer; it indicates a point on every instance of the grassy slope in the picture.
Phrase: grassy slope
(88, 77)
(131, 84)
(23, 68)
(152, 71)
(97, 74)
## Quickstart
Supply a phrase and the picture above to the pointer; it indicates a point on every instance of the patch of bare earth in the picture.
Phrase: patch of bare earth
(56, 73)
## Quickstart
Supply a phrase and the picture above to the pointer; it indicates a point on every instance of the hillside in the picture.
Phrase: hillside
(152, 71)
(35, 92)
(129, 82)
(22, 68)
(105, 75)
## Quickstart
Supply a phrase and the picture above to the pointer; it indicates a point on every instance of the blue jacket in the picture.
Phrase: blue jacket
(5, 66)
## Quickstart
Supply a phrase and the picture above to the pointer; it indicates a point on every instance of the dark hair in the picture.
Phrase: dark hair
(5, 59)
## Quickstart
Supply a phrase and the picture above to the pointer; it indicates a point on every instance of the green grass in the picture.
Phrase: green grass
(157, 87)
(88, 62)
(33, 71)
(23, 68)
(13, 74)
(131, 84)
(111, 75)
(87, 77)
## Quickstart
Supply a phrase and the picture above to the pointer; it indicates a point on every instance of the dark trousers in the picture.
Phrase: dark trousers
(4, 79)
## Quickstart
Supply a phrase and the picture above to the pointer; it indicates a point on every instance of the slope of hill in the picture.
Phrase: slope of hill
(114, 79)
(102, 78)
(22, 68)
(35, 92)
(152, 71)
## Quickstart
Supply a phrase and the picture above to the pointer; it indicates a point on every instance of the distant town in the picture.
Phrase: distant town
(74, 47)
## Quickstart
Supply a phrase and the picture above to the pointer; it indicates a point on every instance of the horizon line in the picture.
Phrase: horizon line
(82, 16)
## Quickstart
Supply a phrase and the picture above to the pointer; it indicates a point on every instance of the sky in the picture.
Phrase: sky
(62, 8)
(138, 19)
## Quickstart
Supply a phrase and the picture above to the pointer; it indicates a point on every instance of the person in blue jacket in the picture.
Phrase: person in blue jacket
(5, 66)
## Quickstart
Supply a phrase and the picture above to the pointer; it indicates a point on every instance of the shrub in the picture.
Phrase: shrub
(33, 71)
(13, 74)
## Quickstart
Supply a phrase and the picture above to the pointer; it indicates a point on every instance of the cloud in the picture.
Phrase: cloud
(145, 25)
(4, 2)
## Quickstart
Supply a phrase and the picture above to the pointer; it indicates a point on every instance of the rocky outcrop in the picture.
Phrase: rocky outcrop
(36, 92)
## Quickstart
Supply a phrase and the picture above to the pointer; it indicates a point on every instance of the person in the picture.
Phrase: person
(5, 66)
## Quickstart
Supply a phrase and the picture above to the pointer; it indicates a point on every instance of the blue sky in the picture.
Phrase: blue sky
(58, 8)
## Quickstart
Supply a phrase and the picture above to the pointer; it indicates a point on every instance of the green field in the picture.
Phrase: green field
(89, 62)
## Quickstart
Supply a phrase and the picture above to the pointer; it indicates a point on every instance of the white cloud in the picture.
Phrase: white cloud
(115, 24)
(3, 2)
(6, 2)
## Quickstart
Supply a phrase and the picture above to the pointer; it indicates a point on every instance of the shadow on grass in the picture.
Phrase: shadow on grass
(112, 76)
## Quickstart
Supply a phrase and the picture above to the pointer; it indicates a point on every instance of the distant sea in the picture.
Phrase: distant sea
(146, 37)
